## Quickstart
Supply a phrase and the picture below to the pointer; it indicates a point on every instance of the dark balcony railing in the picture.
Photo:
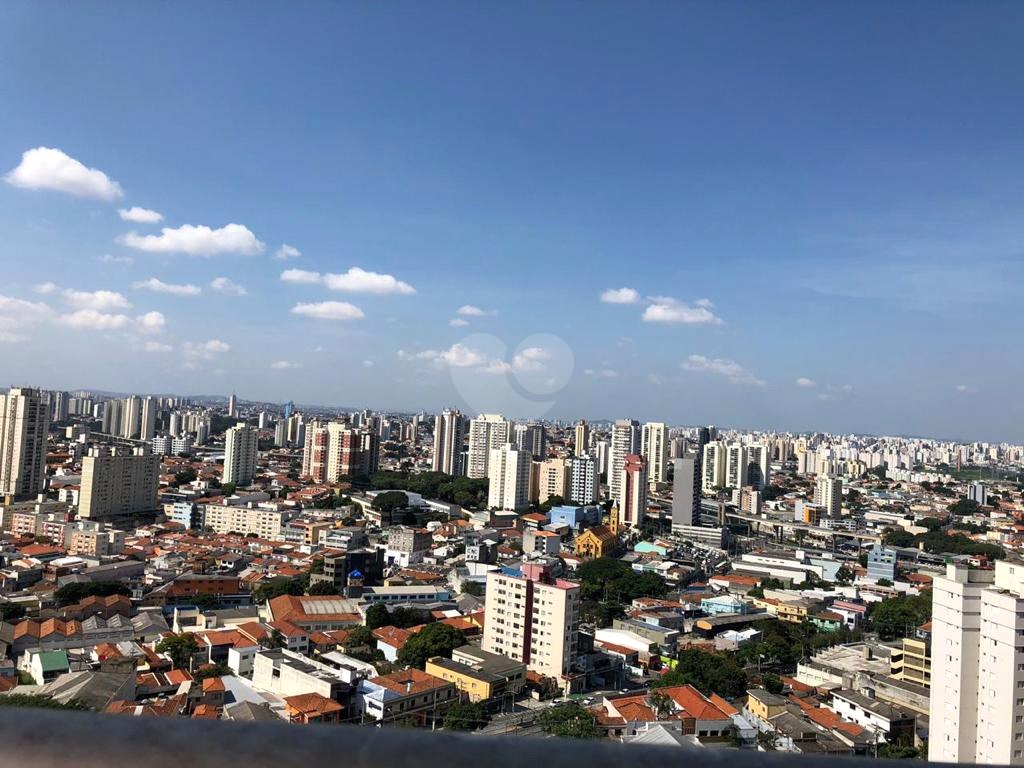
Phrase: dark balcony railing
(46, 739)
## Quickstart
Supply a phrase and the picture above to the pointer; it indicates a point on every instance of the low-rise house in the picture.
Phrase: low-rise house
(312, 708)
(478, 674)
(682, 709)
(409, 696)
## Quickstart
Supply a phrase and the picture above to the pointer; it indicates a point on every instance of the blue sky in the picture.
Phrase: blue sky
(821, 192)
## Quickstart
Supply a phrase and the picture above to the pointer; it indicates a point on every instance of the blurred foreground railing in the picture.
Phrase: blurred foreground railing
(47, 739)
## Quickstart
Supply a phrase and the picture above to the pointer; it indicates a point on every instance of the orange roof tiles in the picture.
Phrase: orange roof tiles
(409, 681)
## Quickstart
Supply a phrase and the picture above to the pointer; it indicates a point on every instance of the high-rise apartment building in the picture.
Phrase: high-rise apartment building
(758, 465)
(632, 498)
(828, 493)
(713, 467)
(147, 420)
(977, 665)
(240, 452)
(581, 444)
(449, 436)
(486, 432)
(509, 478)
(315, 451)
(24, 426)
(552, 479)
(233, 406)
(111, 424)
(685, 491)
(533, 439)
(131, 416)
(625, 441)
(654, 444)
(116, 483)
(584, 480)
(735, 465)
(532, 617)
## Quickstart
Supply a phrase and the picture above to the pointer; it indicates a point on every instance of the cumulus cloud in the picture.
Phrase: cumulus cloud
(965, 389)
(17, 315)
(101, 301)
(531, 359)
(227, 285)
(205, 350)
(664, 309)
(111, 259)
(804, 382)
(457, 355)
(468, 310)
(285, 364)
(45, 288)
(48, 168)
(300, 276)
(175, 289)
(620, 296)
(723, 367)
(458, 322)
(286, 252)
(603, 373)
(92, 320)
(140, 215)
(329, 310)
(358, 280)
(157, 346)
(197, 240)
(151, 322)
(367, 363)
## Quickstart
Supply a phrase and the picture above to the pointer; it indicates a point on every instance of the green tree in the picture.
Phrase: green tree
(11, 611)
(277, 587)
(205, 601)
(228, 489)
(41, 701)
(466, 716)
(844, 575)
(276, 639)
(220, 669)
(179, 648)
(390, 501)
(898, 537)
(73, 593)
(377, 615)
(900, 616)
(433, 640)
(707, 672)
(570, 721)
(772, 683)
(359, 636)
(322, 588)
(474, 588)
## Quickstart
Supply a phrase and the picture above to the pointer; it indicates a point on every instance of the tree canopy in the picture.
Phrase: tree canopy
(179, 648)
(433, 640)
(570, 721)
(390, 501)
(900, 616)
(467, 492)
(73, 593)
(466, 716)
(707, 672)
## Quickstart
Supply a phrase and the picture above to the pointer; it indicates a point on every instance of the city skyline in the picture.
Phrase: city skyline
(812, 234)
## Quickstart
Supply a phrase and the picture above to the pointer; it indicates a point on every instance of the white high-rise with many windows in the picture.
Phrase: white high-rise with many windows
(240, 452)
(24, 424)
(584, 480)
(713, 467)
(449, 435)
(625, 440)
(654, 449)
(509, 478)
(486, 432)
(977, 693)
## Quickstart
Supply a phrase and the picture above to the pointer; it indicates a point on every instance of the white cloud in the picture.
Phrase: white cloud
(157, 346)
(286, 252)
(468, 310)
(804, 382)
(664, 309)
(205, 350)
(603, 373)
(227, 285)
(45, 288)
(965, 389)
(358, 280)
(706, 303)
(367, 363)
(531, 359)
(151, 322)
(329, 310)
(140, 215)
(458, 322)
(495, 366)
(197, 240)
(457, 355)
(46, 168)
(175, 289)
(17, 315)
(22, 307)
(110, 259)
(284, 364)
(728, 368)
(101, 301)
(300, 276)
(620, 296)
(91, 320)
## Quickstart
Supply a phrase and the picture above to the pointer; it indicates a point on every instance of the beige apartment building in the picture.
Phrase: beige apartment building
(118, 482)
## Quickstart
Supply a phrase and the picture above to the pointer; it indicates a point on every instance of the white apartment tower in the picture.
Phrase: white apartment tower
(487, 432)
(118, 483)
(735, 465)
(713, 467)
(533, 618)
(24, 424)
(828, 493)
(584, 480)
(509, 486)
(625, 441)
(147, 423)
(977, 691)
(654, 449)
(758, 465)
(240, 452)
(449, 435)
(582, 441)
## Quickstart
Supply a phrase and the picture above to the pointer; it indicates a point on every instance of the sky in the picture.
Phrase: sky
(804, 216)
